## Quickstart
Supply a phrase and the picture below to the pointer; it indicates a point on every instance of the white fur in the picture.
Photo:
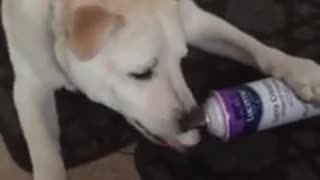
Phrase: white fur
(155, 30)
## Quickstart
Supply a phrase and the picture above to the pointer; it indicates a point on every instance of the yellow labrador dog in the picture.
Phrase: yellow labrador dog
(124, 54)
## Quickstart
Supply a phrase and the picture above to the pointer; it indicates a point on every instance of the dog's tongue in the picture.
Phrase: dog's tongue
(189, 138)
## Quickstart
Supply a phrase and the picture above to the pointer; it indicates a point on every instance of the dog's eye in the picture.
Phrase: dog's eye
(142, 76)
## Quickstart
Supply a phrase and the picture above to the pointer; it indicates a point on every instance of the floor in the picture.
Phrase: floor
(115, 167)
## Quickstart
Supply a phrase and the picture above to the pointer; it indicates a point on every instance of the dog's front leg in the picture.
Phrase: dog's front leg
(213, 34)
(36, 109)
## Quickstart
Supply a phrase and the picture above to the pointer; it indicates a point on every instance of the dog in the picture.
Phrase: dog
(124, 54)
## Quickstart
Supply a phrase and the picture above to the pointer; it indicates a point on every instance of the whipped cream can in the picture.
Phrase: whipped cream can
(252, 107)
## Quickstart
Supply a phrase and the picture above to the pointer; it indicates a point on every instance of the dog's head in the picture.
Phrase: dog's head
(126, 55)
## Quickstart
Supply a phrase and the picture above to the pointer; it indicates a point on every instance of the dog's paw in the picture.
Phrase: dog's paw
(302, 75)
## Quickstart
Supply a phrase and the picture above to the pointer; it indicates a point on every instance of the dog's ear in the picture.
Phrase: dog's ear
(88, 27)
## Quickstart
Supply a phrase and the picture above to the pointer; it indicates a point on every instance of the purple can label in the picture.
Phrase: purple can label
(243, 110)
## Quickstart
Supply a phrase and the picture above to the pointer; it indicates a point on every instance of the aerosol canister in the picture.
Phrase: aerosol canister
(252, 107)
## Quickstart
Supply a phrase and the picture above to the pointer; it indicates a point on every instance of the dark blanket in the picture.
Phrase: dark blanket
(90, 131)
